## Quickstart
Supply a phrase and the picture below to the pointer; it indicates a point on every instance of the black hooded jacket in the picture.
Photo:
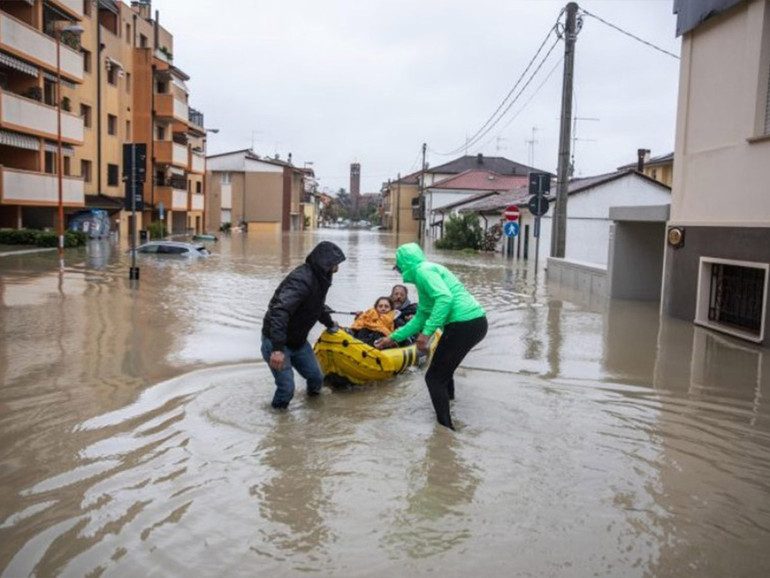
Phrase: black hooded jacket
(299, 301)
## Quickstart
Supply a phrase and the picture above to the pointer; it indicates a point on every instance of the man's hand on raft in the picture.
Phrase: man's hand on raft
(422, 343)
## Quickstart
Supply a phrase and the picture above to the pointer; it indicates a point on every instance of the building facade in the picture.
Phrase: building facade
(262, 194)
(119, 85)
(718, 239)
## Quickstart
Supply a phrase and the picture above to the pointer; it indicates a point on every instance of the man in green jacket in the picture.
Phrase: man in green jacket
(443, 304)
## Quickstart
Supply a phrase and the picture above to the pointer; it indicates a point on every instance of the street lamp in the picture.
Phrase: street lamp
(72, 29)
(205, 172)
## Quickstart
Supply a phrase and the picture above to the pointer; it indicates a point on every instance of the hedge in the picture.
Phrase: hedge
(41, 238)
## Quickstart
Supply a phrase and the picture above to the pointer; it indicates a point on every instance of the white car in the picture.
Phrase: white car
(176, 248)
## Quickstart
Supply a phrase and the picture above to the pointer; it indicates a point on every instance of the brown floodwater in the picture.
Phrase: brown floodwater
(594, 438)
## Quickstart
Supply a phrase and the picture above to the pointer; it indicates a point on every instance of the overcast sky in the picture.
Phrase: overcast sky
(339, 81)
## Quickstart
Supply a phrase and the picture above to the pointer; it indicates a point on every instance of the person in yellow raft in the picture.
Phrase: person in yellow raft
(444, 303)
(374, 323)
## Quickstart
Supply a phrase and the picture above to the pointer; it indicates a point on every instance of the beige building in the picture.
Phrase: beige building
(119, 86)
(396, 206)
(266, 194)
(718, 239)
(660, 168)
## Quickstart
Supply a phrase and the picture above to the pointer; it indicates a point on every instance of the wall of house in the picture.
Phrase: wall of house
(588, 222)
(405, 223)
(636, 260)
(721, 176)
(264, 197)
(435, 199)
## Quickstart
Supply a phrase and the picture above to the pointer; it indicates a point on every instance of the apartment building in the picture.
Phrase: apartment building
(267, 194)
(717, 261)
(119, 85)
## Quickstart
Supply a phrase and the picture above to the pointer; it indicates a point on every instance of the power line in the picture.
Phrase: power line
(481, 132)
(619, 29)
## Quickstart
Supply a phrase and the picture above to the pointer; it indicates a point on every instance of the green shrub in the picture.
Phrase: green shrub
(41, 238)
(461, 232)
(157, 230)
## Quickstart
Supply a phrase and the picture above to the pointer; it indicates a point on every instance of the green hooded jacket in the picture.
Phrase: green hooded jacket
(442, 298)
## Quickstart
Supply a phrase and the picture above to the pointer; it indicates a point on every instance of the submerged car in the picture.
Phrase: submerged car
(172, 248)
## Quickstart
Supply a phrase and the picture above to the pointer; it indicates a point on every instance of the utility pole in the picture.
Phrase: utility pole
(559, 225)
(420, 198)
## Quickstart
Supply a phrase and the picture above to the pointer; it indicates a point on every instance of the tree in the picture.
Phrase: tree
(461, 232)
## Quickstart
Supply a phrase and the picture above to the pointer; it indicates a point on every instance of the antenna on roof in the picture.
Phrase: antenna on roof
(531, 143)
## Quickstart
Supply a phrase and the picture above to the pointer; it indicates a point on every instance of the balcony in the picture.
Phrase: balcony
(73, 7)
(196, 202)
(167, 106)
(172, 199)
(196, 118)
(19, 187)
(197, 163)
(171, 153)
(32, 117)
(30, 44)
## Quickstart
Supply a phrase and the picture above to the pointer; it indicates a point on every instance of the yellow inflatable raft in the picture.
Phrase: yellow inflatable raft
(345, 360)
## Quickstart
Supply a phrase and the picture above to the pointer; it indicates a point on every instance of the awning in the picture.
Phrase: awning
(66, 150)
(64, 81)
(112, 62)
(20, 141)
(176, 171)
(20, 65)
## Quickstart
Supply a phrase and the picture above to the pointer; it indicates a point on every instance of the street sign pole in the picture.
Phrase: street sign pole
(133, 272)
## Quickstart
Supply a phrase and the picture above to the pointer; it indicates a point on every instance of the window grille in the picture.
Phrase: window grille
(736, 296)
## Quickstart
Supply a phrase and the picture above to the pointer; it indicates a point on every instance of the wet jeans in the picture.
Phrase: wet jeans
(455, 343)
(304, 361)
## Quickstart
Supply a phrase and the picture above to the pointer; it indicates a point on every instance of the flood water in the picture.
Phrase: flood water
(594, 438)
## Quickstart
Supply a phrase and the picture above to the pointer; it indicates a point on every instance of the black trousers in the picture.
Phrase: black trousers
(455, 343)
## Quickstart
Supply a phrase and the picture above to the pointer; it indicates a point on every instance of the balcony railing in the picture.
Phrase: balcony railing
(171, 153)
(196, 202)
(74, 7)
(196, 117)
(26, 187)
(32, 117)
(22, 40)
(172, 199)
(197, 163)
(169, 107)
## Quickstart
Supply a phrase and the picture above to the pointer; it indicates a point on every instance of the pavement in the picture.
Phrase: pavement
(9, 250)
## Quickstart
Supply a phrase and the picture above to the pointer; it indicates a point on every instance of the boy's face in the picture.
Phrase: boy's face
(383, 307)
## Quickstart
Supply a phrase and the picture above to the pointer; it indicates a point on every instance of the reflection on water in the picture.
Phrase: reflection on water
(594, 438)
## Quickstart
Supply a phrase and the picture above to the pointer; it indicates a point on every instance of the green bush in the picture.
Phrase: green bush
(461, 232)
(157, 230)
(41, 238)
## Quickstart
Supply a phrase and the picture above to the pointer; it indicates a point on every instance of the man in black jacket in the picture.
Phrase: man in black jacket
(297, 304)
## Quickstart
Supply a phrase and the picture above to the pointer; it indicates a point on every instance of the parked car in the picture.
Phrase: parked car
(177, 248)
(93, 222)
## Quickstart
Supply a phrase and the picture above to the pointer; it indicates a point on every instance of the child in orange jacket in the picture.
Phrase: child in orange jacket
(375, 322)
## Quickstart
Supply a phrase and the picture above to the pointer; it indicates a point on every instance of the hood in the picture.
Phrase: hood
(324, 257)
(408, 257)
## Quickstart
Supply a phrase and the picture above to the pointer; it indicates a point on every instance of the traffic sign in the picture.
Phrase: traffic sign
(161, 211)
(539, 183)
(511, 213)
(511, 229)
(538, 205)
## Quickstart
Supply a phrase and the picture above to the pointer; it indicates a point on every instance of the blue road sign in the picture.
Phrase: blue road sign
(161, 210)
(511, 229)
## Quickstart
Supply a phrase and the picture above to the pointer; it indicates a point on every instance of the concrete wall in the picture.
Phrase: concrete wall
(636, 258)
(585, 277)
(264, 197)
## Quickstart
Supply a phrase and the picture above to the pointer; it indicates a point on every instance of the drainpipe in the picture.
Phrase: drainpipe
(99, 48)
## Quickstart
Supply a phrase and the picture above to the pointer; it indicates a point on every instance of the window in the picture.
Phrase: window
(128, 82)
(161, 130)
(128, 130)
(112, 175)
(199, 187)
(142, 41)
(50, 162)
(225, 178)
(161, 87)
(86, 60)
(49, 92)
(85, 170)
(112, 124)
(732, 297)
(128, 34)
(67, 168)
(85, 113)
(87, 8)
(112, 73)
